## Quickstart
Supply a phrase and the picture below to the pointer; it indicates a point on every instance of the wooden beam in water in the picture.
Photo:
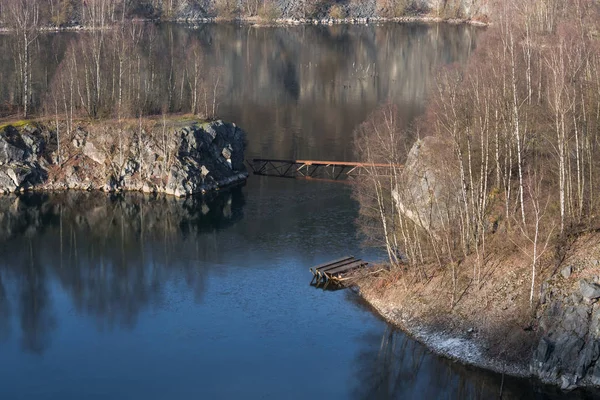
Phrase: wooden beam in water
(346, 268)
(333, 271)
(337, 265)
(316, 267)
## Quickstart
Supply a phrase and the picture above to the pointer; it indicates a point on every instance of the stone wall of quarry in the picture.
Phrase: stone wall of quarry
(178, 158)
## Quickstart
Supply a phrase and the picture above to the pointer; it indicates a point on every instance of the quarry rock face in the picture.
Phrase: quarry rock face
(182, 159)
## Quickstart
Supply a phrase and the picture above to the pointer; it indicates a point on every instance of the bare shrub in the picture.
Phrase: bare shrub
(450, 9)
(269, 11)
(399, 8)
(336, 12)
(227, 9)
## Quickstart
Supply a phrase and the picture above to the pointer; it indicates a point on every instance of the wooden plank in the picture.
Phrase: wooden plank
(346, 268)
(337, 265)
(332, 262)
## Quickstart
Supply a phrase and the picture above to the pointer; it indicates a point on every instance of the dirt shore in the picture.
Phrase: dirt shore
(467, 348)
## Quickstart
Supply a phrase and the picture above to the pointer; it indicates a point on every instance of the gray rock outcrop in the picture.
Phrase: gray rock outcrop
(568, 351)
(19, 152)
(182, 159)
(589, 291)
(428, 192)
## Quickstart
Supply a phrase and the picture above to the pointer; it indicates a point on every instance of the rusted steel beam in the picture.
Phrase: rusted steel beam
(321, 170)
(329, 163)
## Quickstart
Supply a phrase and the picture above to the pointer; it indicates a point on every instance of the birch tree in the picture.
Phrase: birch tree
(23, 17)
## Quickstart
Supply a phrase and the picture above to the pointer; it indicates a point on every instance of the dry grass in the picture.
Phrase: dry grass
(16, 123)
(496, 307)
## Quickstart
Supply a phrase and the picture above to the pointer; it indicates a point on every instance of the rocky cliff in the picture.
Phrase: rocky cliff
(568, 350)
(180, 157)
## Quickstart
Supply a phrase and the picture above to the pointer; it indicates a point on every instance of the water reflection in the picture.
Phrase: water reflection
(112, 254)
(4, 312)
(298, 91)
(203, 289)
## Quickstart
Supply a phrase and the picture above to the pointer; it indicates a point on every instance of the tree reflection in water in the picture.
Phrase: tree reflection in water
(4, 312)
(112, 254)
(298, 91)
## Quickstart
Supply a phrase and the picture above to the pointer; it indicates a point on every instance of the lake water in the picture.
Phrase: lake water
(133, 296)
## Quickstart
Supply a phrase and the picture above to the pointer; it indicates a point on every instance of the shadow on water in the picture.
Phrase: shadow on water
(112, 253)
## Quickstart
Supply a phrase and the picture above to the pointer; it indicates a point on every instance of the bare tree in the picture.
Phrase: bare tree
(380, 141)
(23, 17)
(537, 244)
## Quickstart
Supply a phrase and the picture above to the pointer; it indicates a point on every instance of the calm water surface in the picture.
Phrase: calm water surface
(133, 296)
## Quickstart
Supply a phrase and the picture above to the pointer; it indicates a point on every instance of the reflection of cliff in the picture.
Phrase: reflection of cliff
(298, 91)
(113, 255)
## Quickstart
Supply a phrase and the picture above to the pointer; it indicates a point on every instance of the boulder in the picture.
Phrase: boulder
(429, 191)
(34, 143)
(9, 153)
(589, 291)
(90, 150)
(7, 184)
(566, 271)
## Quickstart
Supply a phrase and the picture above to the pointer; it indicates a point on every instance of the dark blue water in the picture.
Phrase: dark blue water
(138, 297)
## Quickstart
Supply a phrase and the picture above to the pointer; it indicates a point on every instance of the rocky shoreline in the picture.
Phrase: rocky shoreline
(466, 349)
(179, 157)
(333, 21)
(494, 322)
(563, 343)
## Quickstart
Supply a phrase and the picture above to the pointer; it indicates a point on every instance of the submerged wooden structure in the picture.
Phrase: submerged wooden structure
(331, 170)
(335, 271)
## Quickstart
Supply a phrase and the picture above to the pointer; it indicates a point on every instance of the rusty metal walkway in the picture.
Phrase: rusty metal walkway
(331, 170)
(335, 271)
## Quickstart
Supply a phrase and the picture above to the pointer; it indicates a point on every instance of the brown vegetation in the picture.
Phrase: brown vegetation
(268, 10)
(515, 174)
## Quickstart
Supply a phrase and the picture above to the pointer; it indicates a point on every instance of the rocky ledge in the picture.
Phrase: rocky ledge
(568, 351)
(180, 157)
